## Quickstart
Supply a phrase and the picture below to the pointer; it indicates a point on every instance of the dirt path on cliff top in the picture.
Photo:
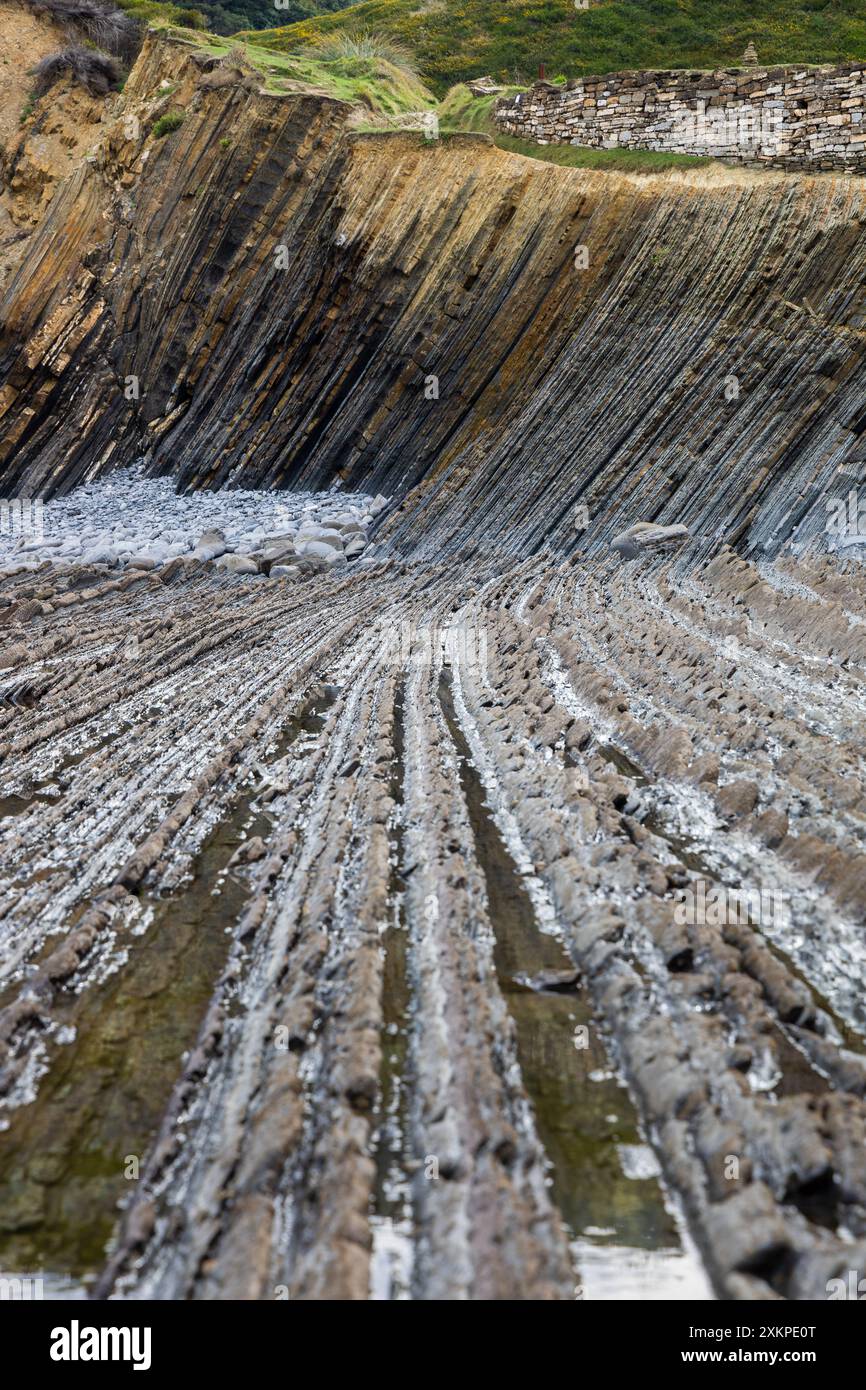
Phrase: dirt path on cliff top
(351, 917)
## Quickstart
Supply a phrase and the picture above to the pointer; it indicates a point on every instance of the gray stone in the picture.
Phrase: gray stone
(645, 536)
(237, 564)
(278, 553)
(312, 564)
(211, 544)
(665, 111)
(322, 550)
(318, 535)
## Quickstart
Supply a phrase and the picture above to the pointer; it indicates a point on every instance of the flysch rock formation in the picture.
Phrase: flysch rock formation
(363, 911)
(433, 330)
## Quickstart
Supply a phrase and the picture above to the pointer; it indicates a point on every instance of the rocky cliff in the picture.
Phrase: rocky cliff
(264, 297)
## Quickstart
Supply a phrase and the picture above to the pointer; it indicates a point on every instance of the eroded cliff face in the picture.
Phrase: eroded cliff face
(429, 328)
(41, 141)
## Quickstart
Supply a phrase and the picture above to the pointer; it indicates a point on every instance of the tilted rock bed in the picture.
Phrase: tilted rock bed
(129, 521)
(636, 728)
(718, 310)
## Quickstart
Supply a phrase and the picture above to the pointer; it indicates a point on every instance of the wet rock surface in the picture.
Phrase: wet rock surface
(670, 814)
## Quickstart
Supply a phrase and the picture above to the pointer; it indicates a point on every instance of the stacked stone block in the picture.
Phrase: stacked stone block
(791, 117)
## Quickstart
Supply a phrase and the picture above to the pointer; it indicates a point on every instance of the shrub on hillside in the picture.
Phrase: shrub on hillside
(98, 72)
(111, 29)
(366, 45)
(191, 19)
(167, 123)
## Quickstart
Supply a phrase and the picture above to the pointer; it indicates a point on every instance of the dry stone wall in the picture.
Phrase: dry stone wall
(794, 117)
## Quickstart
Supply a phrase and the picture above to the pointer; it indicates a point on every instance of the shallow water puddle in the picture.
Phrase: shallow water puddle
(63, 1159)
(604, 1177)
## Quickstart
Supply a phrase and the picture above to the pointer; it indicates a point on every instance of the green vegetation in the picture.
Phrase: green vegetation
(456, 39)
(619, 161)
(167, 123)
(155, 12)
(377, 73)
(228, 16)
(379, 83)
(462, 111)
(366, 45)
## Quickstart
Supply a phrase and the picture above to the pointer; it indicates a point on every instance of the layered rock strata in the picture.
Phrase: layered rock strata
(636, 754)
(259, 298)
(410, 924)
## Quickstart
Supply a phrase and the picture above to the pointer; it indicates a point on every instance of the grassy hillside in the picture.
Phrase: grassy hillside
(378, 76)
(376, 82)
(228, 16)
(456, 39)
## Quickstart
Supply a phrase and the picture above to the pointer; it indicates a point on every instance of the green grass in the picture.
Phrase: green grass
(375, 82)
(619, 161)
(456, 39)
(367, 45)
(153, 11)
(172, 120)
(461, 111)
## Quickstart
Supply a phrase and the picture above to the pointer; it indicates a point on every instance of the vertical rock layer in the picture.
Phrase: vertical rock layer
(295, 305)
